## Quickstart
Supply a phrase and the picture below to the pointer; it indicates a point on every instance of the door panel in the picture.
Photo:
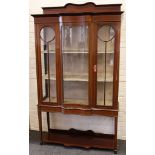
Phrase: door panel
(75, 53)
(48, 62)
(105, 63)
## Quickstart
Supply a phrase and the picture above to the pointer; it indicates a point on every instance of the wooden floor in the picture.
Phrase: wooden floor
(37, 149)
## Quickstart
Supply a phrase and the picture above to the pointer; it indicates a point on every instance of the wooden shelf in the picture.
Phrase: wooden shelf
(82, 77)
(77, 52)
(77, 138)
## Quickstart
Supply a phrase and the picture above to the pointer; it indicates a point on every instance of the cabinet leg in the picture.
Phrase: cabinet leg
(115, 151)
(115, 137)
(48, 121)
(40, 125)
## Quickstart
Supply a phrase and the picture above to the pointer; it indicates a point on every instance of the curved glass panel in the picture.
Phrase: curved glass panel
(47, 38)
(105, 59)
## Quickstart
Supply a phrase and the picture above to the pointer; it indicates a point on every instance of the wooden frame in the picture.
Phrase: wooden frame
(92, 14)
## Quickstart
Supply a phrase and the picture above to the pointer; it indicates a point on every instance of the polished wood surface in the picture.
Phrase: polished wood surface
(85, 139)
(87, 7)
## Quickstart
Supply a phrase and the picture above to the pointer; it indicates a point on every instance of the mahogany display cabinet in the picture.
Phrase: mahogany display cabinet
(77, 60)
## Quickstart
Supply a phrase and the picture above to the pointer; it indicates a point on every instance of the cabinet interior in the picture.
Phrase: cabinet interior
(75, 62)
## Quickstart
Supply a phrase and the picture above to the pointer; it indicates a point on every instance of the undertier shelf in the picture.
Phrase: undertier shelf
(77, 138)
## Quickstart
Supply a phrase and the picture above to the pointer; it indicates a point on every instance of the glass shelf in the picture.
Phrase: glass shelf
(69, 77)
(82, 77)
(77, 52)
(108, 52)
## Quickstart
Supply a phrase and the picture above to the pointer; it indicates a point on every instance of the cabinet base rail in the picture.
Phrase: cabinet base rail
(77, 138)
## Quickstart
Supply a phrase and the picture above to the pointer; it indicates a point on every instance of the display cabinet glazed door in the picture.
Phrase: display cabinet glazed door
(48, 63)
(105, 37)
(75, 55)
